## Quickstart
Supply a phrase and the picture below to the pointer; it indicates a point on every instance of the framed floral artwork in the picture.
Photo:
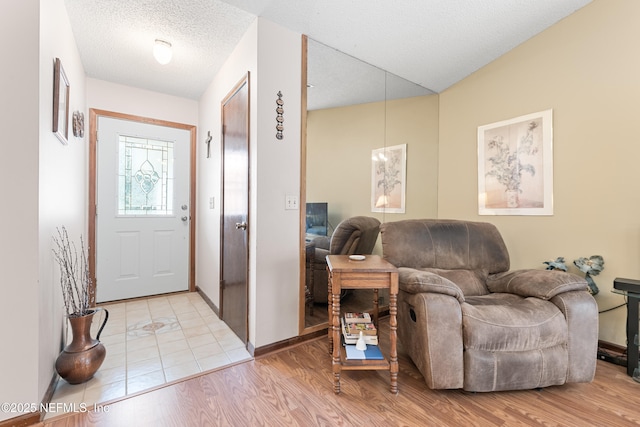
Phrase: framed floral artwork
(388, 179)
(515, 166)
(60, 102)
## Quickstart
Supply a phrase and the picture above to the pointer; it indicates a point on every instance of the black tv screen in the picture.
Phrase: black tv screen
(317, 219)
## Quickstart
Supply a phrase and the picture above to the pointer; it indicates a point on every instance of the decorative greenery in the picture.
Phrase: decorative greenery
(75, 281)
(558, 264)
(591, 266)
(506, 166)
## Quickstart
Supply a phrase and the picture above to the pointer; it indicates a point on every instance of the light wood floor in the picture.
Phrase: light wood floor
(294, 387)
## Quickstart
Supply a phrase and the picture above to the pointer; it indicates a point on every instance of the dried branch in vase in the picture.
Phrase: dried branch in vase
(75, 281)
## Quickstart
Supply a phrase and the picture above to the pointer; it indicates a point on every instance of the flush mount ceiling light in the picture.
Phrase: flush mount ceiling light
(162, 51)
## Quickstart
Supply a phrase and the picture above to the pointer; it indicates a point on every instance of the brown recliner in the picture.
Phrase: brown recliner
(468, 322)
(355, 235)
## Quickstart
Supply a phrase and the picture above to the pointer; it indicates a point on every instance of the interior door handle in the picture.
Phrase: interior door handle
(241, 225)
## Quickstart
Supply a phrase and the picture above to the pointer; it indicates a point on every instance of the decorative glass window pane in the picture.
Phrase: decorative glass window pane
(145, 176)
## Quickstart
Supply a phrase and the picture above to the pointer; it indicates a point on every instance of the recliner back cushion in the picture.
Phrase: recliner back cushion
(444, 244)
(351, 244)
(355, 235)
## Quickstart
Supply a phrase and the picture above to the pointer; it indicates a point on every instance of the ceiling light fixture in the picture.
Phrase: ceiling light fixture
(162, 51)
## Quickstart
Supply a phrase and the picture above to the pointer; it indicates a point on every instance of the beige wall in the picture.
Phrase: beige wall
(587, 69)
(339, 144)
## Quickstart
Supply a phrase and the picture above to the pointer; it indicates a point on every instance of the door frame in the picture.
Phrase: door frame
(94, 114)
(239, 85)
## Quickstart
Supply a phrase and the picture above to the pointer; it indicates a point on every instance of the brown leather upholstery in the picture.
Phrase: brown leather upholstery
(468, 322)
(355, 235)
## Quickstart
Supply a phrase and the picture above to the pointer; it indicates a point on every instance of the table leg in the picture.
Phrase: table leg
(335, 326)
(330, 311)
(632, 332)
(376, 303)
(393, 355)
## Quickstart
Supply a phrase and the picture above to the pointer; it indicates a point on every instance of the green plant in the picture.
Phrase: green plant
(75, 280)
(506, 166)
(591, 266)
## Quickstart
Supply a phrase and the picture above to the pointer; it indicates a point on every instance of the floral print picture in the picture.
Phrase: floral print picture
(515, 166)
(388, 177)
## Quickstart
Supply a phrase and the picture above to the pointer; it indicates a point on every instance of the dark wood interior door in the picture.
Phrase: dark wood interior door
(234, 271)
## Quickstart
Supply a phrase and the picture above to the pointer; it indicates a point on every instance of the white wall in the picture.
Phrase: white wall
(62, 179)
(242, 60)
(277, 256)
(109, 96)
(275, 172)
(43, 185)
(19, 216)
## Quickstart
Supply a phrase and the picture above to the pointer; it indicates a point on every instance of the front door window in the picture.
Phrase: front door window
(145, 176)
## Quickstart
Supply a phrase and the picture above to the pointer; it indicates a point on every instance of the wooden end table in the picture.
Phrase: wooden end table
(371, 273)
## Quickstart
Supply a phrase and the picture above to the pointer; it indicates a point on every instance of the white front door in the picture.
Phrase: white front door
(142, 222)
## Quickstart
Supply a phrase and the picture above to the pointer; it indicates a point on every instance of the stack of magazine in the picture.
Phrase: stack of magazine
(354, 323)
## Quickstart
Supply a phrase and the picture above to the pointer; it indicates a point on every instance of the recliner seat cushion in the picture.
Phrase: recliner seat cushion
(509, 323)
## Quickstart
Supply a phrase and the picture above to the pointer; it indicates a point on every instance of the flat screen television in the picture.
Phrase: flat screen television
(317, 219)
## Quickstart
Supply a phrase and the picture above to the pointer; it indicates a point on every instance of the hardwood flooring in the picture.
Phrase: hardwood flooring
(294, 387)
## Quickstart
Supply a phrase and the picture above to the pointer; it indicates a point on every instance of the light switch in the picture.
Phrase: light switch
(212, 202)
(291, 202)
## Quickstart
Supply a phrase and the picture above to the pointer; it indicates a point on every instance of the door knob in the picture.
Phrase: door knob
(185, 218)
(241, 225)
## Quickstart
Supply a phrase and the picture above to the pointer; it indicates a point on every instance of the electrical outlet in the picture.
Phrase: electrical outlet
(291, 202)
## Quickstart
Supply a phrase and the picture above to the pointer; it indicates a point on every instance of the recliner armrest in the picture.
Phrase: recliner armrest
(543, 284)
(417, 281)
(320, 258)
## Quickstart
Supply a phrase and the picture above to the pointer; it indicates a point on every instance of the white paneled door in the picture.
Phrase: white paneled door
(143, 218)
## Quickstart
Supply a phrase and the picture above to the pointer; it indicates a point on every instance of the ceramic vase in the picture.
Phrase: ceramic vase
(512, 199)
(84, 355)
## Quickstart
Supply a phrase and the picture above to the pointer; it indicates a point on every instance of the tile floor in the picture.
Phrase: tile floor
(151, 342)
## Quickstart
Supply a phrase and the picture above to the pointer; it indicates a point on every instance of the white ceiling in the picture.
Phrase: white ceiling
(433, 43)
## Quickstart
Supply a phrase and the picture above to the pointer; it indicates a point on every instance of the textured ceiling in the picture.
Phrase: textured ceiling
(115, 39)
(433, 43)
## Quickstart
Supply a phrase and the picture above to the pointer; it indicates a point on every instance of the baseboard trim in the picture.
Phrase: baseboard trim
(612, 353)
(280, 345)
(33, 417)
(620, 349)
(22, 420)
(208, 301)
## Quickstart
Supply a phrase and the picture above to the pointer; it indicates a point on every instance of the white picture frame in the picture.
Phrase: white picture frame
(515, 166)
(388, 179)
